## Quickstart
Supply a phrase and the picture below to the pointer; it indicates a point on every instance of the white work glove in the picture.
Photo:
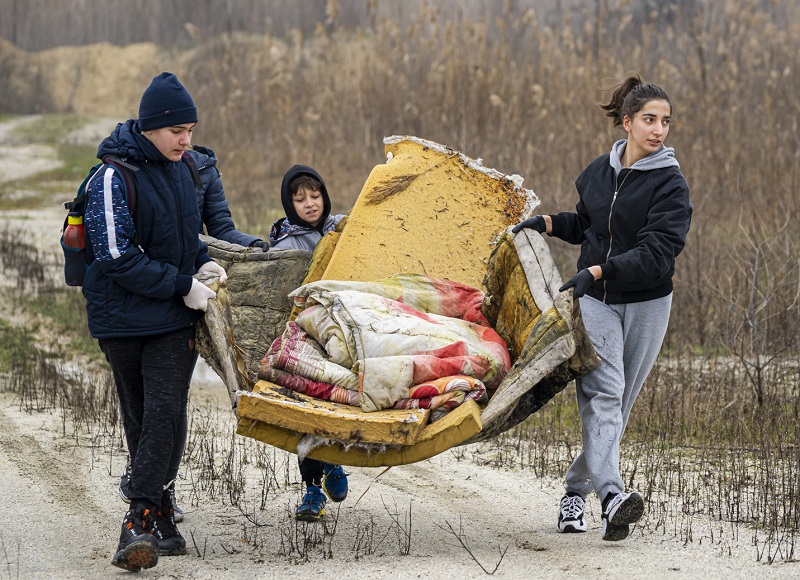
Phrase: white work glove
(198, 296)
(214, 268)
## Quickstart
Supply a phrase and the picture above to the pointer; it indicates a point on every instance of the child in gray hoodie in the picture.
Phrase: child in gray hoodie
(307, 205)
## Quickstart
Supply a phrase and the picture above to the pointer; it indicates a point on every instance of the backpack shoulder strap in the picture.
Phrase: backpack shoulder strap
(125, 170)
(189, 161)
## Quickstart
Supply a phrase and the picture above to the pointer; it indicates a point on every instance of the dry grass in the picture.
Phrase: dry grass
(718, 424)
(521, 91)
(398, 184)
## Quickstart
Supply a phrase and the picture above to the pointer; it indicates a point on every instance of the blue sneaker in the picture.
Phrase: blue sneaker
(313, 506)
(335, 482)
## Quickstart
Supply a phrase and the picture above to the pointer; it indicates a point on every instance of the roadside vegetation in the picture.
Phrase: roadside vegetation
(717, 428)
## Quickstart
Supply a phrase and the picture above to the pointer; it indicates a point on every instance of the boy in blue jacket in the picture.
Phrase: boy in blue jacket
(142, 302)
(216, 217)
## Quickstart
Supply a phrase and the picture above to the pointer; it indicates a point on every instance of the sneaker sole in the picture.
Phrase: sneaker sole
(628, 512)
(334, 498)
(615, 533)
(136, 556)
(309, 517)
(123, 497)
(177, 551)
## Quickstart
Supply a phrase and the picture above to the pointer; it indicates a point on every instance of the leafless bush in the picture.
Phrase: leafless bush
(299, 538)
(367, 538)
(402, 526)
(758, 293)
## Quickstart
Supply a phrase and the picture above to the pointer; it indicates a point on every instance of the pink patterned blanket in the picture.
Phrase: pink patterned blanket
(408, 341)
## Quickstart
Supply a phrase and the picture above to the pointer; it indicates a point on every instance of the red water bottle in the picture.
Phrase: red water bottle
(73, 233)
(74, 254)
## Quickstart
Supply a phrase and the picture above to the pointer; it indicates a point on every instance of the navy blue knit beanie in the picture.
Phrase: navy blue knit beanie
(166, 103)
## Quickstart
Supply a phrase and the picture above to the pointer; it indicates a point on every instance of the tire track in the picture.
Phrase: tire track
(50, 471)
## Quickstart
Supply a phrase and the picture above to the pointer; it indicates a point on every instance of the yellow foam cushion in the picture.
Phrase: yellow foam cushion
(428, 210)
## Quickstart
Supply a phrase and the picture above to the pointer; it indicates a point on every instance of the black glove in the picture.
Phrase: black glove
(260, 244)
(535, 223)
(581, 282)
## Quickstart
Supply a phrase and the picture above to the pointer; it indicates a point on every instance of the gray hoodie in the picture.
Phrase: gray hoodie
(664, 157)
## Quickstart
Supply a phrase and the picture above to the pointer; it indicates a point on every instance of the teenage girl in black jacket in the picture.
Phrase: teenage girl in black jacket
(631, 221)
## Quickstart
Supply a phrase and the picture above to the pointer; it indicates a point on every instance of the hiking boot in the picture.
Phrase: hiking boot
(170, 541)
(619, 512)
(570, 514)
(335, 482)
(125, 482)
(178, 512)
(313, 506)
(137, 547)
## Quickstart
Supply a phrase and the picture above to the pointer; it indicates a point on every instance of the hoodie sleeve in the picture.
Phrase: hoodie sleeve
(111, 231)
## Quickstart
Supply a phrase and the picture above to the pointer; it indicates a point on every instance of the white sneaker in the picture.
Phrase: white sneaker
(623, 509)
(570, 514)
(177, 512)
(125, 482)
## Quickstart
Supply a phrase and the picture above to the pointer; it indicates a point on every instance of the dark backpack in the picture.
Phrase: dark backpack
(77, 260)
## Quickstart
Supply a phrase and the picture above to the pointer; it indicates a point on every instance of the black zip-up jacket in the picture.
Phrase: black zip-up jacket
(634, 235)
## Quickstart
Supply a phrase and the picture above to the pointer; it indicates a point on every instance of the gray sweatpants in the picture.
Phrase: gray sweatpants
(627, 338)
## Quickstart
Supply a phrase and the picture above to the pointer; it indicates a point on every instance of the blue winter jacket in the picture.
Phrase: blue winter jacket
(135, 290)
(213, 206)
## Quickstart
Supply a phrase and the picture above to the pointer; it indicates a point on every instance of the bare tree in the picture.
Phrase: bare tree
(760, 289)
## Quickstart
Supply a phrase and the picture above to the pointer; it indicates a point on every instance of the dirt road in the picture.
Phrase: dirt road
(63, 512)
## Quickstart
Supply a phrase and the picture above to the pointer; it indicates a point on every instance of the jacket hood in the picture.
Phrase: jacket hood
(203, 156)
(288, 205)
(664, 157)
(127, 142)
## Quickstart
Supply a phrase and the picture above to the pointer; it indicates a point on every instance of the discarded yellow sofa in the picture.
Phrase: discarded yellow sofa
(434, 211)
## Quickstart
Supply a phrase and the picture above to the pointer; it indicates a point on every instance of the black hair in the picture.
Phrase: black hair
(303, 176)
(304, 181)
(630, 96)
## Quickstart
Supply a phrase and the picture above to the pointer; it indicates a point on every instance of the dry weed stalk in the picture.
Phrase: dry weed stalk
(402, 527)
(298, 538)
(398, 183)
(201, 555)
(365, 542)
(461, 536)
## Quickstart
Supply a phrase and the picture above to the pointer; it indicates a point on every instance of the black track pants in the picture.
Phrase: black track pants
(152, 376)
(183, 434)
(311, 471)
